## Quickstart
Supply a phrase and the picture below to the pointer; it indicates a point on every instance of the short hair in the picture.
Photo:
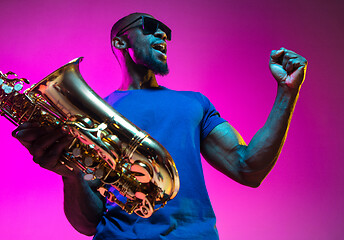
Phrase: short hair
(121, 23)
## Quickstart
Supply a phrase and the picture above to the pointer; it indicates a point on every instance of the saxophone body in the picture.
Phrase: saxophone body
(107, 146)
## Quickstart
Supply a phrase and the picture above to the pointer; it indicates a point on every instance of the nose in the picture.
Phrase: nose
(160, 34)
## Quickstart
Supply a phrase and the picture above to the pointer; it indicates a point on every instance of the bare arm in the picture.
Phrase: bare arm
(82, 204)
(225, 149)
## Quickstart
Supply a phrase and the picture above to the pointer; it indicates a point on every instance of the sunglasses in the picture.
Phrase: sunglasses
(149, 26)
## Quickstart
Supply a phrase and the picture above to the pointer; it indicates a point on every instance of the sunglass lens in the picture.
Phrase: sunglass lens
(149, 26)
(166, 30)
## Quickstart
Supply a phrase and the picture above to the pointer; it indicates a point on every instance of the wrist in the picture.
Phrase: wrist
(286, 97)
(287, 91)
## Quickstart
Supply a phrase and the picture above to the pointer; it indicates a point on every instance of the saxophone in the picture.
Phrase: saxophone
(106, 145)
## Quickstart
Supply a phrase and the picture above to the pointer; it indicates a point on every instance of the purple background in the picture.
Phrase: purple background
(220, 48)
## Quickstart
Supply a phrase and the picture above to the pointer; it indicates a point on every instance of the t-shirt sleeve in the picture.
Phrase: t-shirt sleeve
(211, 117)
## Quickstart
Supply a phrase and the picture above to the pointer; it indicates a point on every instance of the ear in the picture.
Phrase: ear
(119, 43)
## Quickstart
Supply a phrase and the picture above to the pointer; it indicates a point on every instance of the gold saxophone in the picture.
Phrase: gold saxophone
(107, 146)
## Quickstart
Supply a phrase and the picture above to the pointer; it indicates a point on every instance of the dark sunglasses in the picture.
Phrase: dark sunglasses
(149, 26)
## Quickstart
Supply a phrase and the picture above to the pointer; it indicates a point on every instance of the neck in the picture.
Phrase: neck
(137, 76)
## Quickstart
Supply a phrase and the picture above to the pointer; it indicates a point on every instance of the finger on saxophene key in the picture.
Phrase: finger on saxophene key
(24, 126)
(30, 133)
(40, 145)
(50, 159)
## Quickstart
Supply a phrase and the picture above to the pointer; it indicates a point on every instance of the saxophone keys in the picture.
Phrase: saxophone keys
(140, 195)
(89, 177)
(99, 173)
(141, 172)
(7, 89)
(18, 87)
(76, 152)
(88, 161)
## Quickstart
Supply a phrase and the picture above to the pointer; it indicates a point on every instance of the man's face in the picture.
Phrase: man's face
(148, 50)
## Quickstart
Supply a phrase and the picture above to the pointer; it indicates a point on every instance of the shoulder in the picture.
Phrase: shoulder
(114, 97)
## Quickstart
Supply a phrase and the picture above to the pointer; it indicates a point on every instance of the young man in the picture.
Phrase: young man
(185, 123)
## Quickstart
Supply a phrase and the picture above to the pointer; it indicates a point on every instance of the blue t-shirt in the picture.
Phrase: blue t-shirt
(179, 120)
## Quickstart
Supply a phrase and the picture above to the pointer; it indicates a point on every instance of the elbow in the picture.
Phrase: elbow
(255, 184)
(251, 180)
(253, 177)
(82, 224)
(88, 230)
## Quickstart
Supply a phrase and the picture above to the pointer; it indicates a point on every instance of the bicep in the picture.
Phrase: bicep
(224, 149)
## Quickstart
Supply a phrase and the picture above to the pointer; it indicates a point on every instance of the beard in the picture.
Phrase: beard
(152, 63)
(157, 67)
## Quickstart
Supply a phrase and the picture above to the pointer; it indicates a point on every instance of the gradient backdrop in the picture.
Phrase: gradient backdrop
(220, 48)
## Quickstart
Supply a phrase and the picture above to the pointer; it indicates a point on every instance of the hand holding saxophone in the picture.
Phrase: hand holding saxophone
(46, 145)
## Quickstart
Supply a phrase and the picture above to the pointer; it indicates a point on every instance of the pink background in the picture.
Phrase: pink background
(220, 48)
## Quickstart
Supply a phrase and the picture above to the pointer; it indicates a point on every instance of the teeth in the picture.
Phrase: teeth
(160, 47)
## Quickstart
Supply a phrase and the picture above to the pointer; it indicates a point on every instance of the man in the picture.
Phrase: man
(186, 123)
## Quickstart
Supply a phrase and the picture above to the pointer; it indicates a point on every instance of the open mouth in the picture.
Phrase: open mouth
(161, 47)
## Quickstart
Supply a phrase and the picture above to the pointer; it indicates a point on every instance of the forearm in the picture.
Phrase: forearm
(265, 147)
(225, 149)
(82, 206)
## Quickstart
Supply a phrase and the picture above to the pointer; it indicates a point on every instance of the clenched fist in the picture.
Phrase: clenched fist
(288, 68)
